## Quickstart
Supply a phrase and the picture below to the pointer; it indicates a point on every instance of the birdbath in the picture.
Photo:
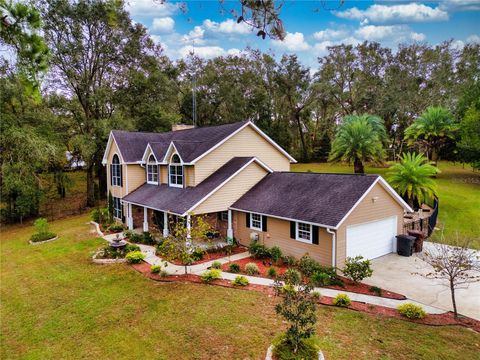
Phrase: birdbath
(117, 242)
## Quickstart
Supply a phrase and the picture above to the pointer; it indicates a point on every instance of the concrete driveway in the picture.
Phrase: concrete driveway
(397, 273)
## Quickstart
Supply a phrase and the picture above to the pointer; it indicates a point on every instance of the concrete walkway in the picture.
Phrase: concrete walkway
(198, 269)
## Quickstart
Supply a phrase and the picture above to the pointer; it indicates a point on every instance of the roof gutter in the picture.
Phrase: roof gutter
(334, 246)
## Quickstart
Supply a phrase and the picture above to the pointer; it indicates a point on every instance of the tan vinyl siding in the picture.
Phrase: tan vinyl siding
(368, 210)
(247, 142)
(189, 175)
(163, 174)
(136, 177)
(232, 190)
(116, 191)
(278, 234)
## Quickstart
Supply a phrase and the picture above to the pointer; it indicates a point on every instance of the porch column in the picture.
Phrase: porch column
(165, 224)
(229, 228)
(145, 219)
(189, 231)
(129, 217)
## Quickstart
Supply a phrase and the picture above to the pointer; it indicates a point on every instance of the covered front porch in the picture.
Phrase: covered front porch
(161, 223)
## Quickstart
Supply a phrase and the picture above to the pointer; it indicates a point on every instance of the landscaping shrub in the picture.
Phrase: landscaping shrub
(95, 215)
(411, 311)
(240, 281)
(210, 275)
(271, 272)
(135, 257)
(258, 251)
(42, 232)
(198, 254)
(320, 279)
(115, 227)
(342, 300)
(252, 269)
(133, 236)
(308, 348)
(292, 276)
(155, 269)
(163, 274)
(148, 239)
(317, 295)
(275, 253)
(131, 247)
(234, 268)
(376, 290)
(289, 260)
(216, 265)
(357, 269)
(308, 266)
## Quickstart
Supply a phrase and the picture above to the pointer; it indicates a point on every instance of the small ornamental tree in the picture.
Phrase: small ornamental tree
(357, 268)
(455, 265)
(177, 246)
(298, 308)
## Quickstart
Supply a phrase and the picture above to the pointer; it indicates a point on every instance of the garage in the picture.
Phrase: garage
(372, 239)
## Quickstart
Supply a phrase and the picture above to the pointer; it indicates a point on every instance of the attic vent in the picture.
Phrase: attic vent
(176, 127)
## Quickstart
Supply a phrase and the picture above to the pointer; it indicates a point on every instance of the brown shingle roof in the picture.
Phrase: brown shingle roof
(313, 197)
(177, 200)
(190, 143)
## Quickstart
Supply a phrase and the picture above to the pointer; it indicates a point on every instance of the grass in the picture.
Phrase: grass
(458, 192)
(57, 304)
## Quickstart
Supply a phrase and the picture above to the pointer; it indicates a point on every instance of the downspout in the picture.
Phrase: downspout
(334, 245)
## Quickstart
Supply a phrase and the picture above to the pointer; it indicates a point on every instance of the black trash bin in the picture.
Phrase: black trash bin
(405, 245)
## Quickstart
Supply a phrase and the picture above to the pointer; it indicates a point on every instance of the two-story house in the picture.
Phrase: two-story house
(240, 180)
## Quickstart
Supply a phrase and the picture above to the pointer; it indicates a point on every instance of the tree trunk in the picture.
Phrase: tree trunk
(90, 186)
(434, 156)
(358, 166)
(454, 303)
(302, 136)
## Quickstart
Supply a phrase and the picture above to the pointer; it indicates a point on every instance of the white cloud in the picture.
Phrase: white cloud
(292, 42)
(234, 52)
(457, 44)
(206, 52)
(195, 35)
(164, 25)
(460, 5)
(402, 13)
(151, 8)
(473, 39)
(226, 27)
(393, 33)
(330, 34)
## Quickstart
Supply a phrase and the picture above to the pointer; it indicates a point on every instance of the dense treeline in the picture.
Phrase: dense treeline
(105, 72)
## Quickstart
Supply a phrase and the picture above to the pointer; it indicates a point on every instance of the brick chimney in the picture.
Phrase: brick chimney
(176, 127)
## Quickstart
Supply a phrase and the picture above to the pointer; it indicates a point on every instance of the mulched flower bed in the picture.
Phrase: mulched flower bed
(214, 255)
(431, 319)
(362, 288)
(263, 266)
(349, 286)
(107, 231)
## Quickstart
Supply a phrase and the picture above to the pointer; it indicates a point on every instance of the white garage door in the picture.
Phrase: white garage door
(372, 239)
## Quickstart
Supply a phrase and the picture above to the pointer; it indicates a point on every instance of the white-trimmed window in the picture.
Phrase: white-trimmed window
(303, 232)
(256, 221)
(117, 208)
(152, 171)
(224, 215)
(116, 171)
(175, 172)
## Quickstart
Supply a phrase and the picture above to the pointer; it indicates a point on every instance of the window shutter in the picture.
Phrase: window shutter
(219, 215)
(292, 229)
(264, 223)
(121, 174)
(315, 234)
(111, 174)
(247, 218)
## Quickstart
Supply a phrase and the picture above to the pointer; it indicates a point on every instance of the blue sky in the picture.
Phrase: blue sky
(310, 26)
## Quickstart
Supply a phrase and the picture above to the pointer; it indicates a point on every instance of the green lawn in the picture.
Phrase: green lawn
(458, 192)
(56, 304)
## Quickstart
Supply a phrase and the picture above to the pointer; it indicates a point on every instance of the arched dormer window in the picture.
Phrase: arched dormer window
(152, 171)
(175, 170)
(116, 171)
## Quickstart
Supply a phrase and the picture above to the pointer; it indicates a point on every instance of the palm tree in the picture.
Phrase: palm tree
(359, 138)
(432, 129)
(412, 178)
